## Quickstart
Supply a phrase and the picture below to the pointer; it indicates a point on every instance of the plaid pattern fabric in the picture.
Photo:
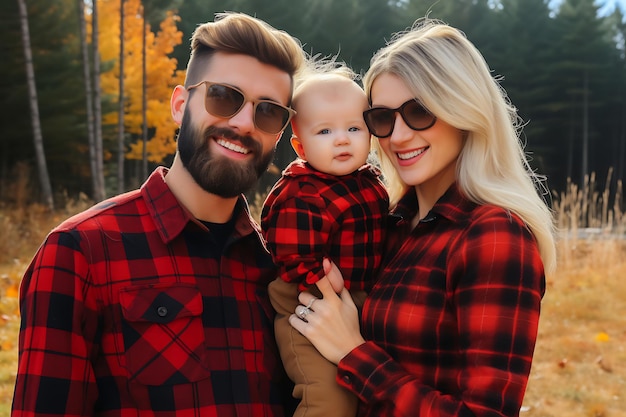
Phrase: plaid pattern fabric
(131, 309)
(309, 215)
(451, 322)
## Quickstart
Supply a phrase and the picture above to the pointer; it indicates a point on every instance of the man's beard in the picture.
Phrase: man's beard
(217, 174)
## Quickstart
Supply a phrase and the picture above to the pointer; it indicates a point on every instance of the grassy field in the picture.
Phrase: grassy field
(579, 368)
(580, 362)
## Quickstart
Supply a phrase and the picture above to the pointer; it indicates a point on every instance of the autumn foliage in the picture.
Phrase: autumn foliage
(162, 75)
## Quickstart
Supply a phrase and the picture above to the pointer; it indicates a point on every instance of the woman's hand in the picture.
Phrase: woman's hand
(332, 323)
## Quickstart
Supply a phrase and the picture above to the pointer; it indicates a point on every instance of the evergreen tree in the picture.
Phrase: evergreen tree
(191, 15)
(474, 17)
(378, 21)
(523, 57)
(56, 55)
(580, 55)
(613, 109)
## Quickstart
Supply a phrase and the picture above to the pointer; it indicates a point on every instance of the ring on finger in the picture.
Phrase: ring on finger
(302, 311)
(311, 302)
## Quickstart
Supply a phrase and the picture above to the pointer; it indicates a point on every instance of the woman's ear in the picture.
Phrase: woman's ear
(297, 146)
(178, 102)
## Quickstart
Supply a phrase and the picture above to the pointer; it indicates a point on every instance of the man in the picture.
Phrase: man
(154, 303)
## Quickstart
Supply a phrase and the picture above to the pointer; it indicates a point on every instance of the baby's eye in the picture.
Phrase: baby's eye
(354, 129)
(324, 132)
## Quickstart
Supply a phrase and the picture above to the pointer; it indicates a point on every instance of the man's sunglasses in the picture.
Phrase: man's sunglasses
(226, 101)
(380, 121)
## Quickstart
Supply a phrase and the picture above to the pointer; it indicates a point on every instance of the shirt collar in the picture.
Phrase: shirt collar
(452, 205)
(301, 167)
(171, 217)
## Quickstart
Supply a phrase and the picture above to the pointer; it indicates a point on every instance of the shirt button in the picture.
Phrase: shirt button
(162, 311)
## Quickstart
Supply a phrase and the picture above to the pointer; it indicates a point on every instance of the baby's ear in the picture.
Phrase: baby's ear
(296, 144)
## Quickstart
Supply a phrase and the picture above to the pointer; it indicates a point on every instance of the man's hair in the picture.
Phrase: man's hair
(242, 34)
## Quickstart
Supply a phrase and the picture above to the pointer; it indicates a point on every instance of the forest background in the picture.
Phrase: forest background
(563, 66)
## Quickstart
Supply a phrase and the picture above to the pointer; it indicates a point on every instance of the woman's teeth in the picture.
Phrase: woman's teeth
(410, 155)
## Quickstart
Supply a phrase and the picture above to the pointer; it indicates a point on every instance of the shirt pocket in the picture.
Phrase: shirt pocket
(164, 339)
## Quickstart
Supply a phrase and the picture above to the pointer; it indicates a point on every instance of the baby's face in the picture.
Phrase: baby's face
(331, 128)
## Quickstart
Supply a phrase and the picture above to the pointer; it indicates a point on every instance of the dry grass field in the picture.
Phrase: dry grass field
(580, 362)
(579, 368)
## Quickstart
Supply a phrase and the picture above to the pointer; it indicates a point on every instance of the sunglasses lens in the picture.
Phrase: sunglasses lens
(270, 117)
(416, 116)
(222, 100)
(379, 121)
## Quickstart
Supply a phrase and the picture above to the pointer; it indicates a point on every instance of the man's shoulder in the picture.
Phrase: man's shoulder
(126, 203)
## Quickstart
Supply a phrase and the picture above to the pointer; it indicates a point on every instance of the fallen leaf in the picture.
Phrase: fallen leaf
(12, 291)
(602, 337)
(604, 365)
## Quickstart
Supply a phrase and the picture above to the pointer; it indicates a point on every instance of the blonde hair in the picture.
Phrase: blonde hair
(242, 34)
(450, 77)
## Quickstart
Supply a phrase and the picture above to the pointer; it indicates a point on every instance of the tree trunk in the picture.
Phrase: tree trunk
(88, 97)
(99, 193)
(120, 125)
(144, 95)
(585, 155)
(42, 167)
(621, 133)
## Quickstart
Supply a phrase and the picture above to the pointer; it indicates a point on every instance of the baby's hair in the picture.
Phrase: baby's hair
(317, 65)
(319, 68)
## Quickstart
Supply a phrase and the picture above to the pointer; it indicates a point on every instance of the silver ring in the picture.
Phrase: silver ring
(302, 311)
(311, 302)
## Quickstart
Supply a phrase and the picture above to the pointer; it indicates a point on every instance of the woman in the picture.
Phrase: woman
(449, 328)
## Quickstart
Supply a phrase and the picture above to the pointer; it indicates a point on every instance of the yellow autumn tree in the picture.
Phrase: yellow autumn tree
(162, 75)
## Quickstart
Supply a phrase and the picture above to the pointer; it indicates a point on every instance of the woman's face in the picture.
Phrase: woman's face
(425, 159)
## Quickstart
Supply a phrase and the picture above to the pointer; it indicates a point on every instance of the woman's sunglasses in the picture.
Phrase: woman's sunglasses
(380, 121)
(225, 101)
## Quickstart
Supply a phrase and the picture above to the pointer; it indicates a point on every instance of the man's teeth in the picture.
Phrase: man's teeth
(411, 154)
(233, 147)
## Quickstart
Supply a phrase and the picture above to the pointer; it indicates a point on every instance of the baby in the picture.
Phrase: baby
(329, 203)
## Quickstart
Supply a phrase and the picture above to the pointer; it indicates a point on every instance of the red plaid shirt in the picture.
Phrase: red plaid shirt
(309, 215)
(452, 321)
(130, 309)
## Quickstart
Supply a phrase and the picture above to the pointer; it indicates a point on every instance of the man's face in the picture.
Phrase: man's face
(226, 156)
(217, 174)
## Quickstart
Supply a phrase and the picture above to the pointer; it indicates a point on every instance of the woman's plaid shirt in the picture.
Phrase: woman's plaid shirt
(452, 321)
(131, 309)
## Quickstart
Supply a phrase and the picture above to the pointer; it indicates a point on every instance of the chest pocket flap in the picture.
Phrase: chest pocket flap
(164, 338)
(160, 303)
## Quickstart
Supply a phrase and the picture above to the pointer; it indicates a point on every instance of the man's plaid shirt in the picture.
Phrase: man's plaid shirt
(131, 309)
